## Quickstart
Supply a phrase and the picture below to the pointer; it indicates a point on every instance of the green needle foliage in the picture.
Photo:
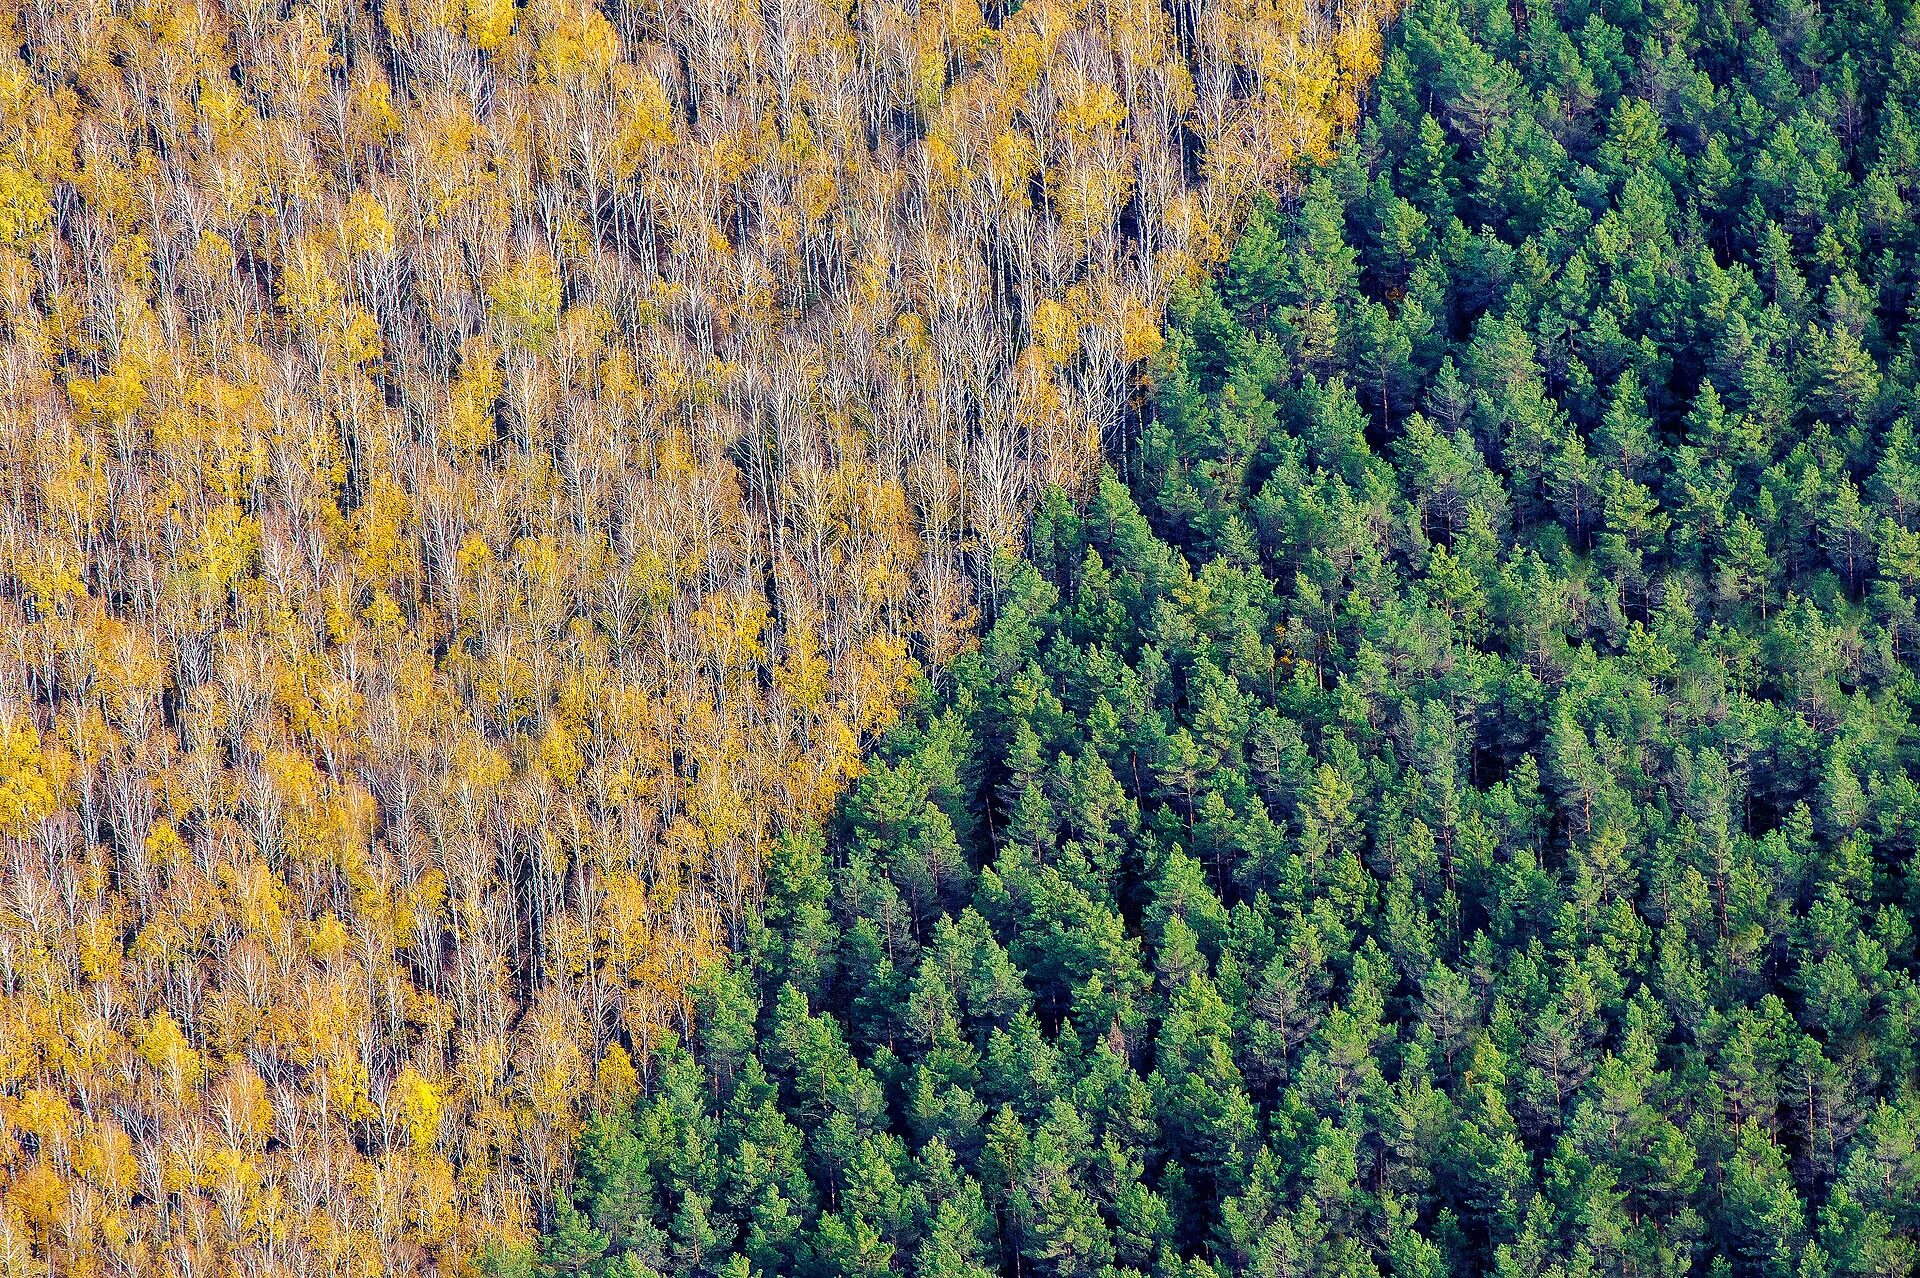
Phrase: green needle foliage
(1451, 807)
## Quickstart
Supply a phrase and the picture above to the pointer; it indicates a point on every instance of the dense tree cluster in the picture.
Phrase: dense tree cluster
(470, 474)
(1452, 806)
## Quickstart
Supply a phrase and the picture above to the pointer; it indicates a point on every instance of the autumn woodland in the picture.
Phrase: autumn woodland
(471, 476)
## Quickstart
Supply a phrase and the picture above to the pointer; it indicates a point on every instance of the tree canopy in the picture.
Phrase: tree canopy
(472, 474)
(1447, 802)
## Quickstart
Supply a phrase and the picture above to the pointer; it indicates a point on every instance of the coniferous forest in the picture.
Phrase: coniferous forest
(1445, 803)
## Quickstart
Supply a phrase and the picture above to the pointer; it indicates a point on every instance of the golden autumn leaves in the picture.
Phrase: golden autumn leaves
(475, 474)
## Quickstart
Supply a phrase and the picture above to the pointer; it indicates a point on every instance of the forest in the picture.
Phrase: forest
(1444, 801)
(474, 474)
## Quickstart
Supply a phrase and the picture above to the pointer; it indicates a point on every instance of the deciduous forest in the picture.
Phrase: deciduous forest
(1446, 802)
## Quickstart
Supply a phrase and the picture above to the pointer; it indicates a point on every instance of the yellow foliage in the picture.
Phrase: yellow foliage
(241, 1102)
(559, 756)
(99, 950)
(26, 796)
(38, 1194)
(1091, 107)
(646, 124)
(105, 1157)
(164, 1046)
(526, 299)
(113, 397)
(256, 895)
(224, 550)
(50, 577)
(365, 226)
(231, 1171)
(574, 42)
(489, 22)
(1140, 337)
(616, 1081)
(343, 1083)
(25, 209)
(327, 938)
(379, 539)
(359, 339)
(803, 676)
(309, 292)
(420, 1106)
(1056, 332)
(42, 1114)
